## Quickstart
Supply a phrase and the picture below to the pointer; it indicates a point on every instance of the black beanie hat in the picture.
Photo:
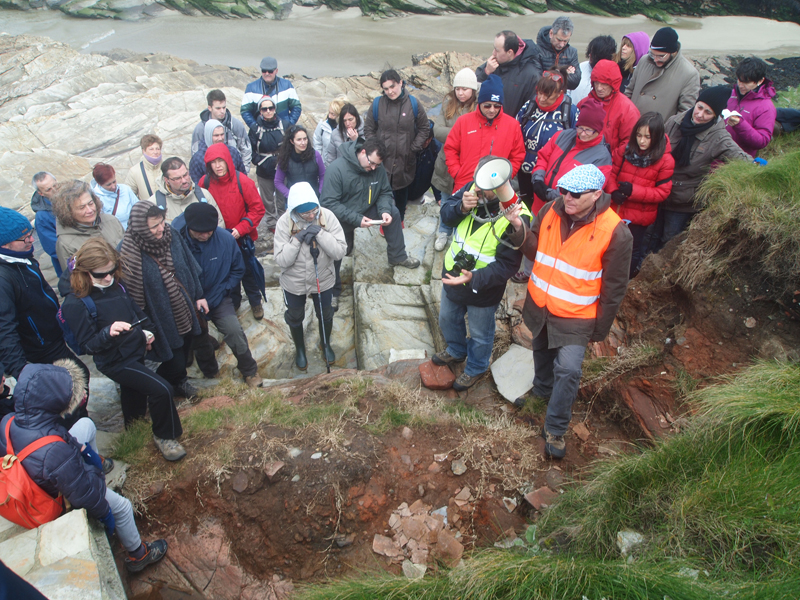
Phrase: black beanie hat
(665, 40)
(201, 217)
(716, 97)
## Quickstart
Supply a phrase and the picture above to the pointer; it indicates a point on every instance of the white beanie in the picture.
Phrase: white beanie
(466, 78)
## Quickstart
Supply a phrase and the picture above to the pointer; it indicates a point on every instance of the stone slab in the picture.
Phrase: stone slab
(513, 372)
(19, 552)
(70, 578)
(389, 316)
(435, 377)
(104, 405)
(9, 529)
(66, 536)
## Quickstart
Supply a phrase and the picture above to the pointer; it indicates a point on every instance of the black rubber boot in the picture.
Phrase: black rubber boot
(330, 356)
(300, 348)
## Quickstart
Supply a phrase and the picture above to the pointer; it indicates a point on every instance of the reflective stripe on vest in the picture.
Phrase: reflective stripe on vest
(481, 244)
(567, 278)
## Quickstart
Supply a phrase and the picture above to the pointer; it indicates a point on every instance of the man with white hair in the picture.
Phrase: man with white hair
(555, 51)
(572, 299)
(44, 184)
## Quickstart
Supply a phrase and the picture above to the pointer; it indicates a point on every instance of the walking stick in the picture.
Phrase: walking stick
(314, 255)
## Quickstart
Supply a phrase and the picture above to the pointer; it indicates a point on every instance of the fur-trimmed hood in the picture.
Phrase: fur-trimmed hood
(46, 392)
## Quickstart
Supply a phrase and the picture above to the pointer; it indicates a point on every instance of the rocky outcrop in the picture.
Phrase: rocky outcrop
(274, 9)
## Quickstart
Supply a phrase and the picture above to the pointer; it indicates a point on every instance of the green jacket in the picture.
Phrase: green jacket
(349, 189)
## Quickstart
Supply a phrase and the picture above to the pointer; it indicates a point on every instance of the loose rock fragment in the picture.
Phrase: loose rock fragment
(239, 483)
(385, 546)
(458, 467)
(541, 498)
(413, 571)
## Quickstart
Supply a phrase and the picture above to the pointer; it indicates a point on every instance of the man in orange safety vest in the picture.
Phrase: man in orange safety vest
(581, 253)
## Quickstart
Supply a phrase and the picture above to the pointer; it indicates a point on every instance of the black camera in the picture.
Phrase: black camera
(463, 261)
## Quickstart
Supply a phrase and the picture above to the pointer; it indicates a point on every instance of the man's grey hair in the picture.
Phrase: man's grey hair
(39, 178)
(563, 24)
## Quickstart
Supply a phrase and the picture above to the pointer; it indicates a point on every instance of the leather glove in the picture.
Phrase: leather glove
(626, 187)
(109, 522)
(92, 458)
(540, 189)
(618, 197)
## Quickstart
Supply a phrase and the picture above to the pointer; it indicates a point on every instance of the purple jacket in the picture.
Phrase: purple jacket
(754, 130)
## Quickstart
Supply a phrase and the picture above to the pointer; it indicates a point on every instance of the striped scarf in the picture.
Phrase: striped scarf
(139, 240)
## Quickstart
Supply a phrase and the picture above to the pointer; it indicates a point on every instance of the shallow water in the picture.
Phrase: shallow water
(317, 42)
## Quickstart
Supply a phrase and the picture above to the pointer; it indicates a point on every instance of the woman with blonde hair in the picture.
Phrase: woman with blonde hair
(631, 49)
(80, 216)
(458, 101)
(110, 326)
(322, 134)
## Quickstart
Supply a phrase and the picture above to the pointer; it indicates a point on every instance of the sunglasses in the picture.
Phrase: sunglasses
(551, 75)
(564, 192)
(103, 275)
(267, 108)
(493, 105)
(270, 71)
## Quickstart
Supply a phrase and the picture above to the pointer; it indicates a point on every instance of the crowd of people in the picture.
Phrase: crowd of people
(605, 157)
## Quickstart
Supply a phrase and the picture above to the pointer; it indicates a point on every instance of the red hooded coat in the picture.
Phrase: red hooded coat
(651, 186)
(621, 113)
(473, 137)
(234, 208)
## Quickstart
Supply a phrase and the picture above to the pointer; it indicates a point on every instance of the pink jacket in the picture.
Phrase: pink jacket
(754, 131)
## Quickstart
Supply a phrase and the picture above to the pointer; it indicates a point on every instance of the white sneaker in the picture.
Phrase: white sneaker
(441, 241)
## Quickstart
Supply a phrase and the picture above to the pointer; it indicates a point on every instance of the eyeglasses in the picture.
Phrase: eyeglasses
(25, 238)
(564, 192)
(656, 56)
(103, 275)
(267, 108)
(490, 105)
(374, 165)
(270, 71)
(585, 130)
(310, 213)
(179, 177)
(552, 75)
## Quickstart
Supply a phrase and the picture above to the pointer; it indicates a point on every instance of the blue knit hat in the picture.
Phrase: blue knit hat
(582, 179)
(491, 90)
(12, 226)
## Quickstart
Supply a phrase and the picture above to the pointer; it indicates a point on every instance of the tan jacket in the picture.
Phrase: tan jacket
(135, 179)
(294, 258)
(442, 180)
(669, 90)
(177, 204)
(71, 237)
(711, 146)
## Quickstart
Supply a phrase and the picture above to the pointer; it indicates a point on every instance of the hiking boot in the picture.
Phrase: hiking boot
(408, 263)
(445, 359)
(258, 312)
(108, 465)
(441, 241)
(214, 342)
(211, 375)
(154, 552)
(554, 445)
(171, 449)
(253, 381)
(185, 390)
(464, 381)
(335, 303)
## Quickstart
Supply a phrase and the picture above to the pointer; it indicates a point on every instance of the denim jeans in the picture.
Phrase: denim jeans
(478, 347)
(558, 377)
(442, 227)
(85, 432)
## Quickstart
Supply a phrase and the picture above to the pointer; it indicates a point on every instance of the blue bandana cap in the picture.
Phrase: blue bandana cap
(582, 179)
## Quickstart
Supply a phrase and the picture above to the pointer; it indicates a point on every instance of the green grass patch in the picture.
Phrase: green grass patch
(130, 445)
(750, 216)
(788, 98)
(390, 418)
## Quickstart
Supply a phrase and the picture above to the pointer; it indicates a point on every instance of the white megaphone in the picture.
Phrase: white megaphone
(494, 174)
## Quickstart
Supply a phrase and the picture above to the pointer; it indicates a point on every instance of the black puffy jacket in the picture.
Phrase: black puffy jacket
(113, 304)
(42, 394)
(29, 331)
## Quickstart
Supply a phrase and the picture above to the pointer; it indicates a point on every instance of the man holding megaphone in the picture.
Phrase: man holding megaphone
(490, 224)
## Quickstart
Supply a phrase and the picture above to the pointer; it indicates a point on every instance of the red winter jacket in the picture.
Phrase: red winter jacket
(473, 136)
(621, 113)
(651, 185)
(234, 208)
(550, 166)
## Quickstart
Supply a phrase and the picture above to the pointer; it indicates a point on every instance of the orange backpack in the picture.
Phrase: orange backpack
(21, 500)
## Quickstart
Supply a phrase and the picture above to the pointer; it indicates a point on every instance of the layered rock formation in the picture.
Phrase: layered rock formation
(275, 9)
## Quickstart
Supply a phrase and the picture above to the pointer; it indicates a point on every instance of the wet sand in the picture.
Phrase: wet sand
(316, 42)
